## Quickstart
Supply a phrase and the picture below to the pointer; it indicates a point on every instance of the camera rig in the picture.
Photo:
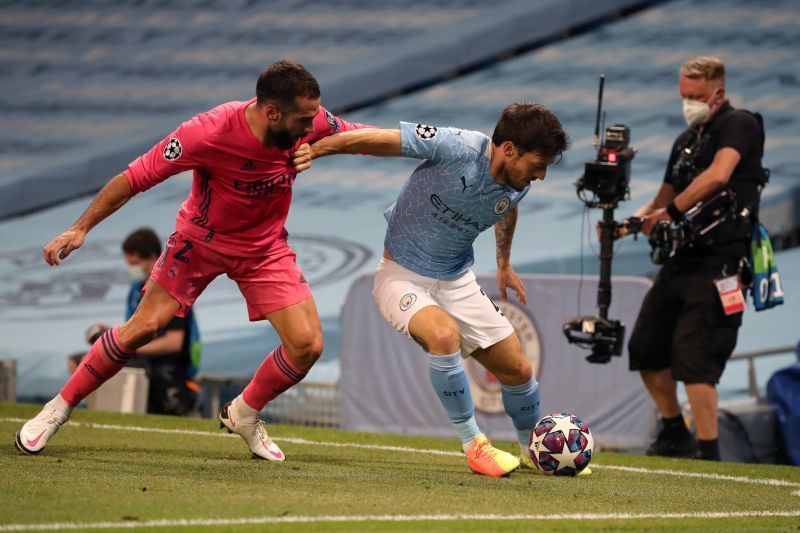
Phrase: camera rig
(605, 183)
(697, 224)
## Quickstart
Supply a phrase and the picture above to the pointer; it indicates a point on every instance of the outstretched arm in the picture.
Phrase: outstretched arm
(169, 343)
(506, 277)
(367, 141)
(111, 197)
(363, 141)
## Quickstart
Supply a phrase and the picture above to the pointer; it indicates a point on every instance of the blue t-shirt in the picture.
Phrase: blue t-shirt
(446, 203)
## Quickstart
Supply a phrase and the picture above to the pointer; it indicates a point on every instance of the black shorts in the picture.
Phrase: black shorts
(682, 326)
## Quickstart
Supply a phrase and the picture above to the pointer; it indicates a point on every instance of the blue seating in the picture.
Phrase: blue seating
(88, 86)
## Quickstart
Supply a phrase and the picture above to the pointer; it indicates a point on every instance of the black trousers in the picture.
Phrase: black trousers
(169, 393)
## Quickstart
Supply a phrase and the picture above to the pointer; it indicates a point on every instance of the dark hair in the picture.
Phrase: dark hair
(143, 242)
(284, 81)
(532, 128)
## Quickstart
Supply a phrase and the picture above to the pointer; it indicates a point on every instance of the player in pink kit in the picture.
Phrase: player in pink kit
(232, 223)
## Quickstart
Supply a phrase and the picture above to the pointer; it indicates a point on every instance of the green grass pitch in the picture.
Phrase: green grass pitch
(112, 471)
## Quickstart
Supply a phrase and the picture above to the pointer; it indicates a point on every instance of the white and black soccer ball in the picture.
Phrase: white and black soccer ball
(561, 445)
(173, 149)
(425, 132)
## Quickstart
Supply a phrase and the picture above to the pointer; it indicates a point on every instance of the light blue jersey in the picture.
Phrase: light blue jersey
(446, 203)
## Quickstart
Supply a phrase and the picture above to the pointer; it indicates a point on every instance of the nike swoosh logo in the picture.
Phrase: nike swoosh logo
(35, 441)
(276, 455)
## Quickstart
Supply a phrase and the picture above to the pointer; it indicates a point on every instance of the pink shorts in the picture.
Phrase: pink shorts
(268, 283)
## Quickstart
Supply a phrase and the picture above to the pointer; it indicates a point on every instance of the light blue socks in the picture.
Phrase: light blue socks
(523, 406)
(452, 388)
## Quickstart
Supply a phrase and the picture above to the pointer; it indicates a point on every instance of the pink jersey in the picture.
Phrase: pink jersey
(241, 189)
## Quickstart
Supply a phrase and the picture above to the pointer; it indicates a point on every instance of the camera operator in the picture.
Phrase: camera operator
(683, 333)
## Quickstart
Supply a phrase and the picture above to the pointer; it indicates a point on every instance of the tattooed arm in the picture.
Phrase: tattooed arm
(506, 277)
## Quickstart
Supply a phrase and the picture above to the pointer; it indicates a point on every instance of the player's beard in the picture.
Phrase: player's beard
(281, 138)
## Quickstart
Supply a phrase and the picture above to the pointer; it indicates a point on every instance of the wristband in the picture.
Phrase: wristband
(674, 213)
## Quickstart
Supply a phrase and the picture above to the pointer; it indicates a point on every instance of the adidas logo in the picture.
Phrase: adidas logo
(248, 165)
(303, 279)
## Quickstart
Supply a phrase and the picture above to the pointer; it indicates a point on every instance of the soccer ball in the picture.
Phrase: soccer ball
(561, 445)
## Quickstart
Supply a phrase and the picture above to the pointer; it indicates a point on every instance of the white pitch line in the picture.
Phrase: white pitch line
(295, 440)
(263, 520)
(704, 475)
(221, 433)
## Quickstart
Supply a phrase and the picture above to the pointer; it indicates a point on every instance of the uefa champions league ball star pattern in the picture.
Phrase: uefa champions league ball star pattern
(561, 445)
(425, 132)
(173, 149)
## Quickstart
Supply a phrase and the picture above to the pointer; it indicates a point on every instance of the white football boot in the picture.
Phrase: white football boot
(240, 418)
(34, 435)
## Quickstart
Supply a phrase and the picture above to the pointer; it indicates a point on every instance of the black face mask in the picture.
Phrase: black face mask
(281, 139)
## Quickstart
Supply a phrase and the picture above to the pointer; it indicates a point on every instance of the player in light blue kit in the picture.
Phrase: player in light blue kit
(424, 286)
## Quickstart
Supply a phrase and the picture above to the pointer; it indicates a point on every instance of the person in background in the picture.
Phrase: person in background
(683, 331)
(173, 357)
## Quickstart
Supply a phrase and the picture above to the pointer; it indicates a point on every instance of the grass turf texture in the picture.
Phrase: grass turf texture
(88, 475)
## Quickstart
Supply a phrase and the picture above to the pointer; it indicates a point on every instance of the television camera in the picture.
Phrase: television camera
(605, 183)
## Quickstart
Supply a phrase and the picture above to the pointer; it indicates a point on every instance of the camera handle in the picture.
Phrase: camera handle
(603, 336)
(608, 227)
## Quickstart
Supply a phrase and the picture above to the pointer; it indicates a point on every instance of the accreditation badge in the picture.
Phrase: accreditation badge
(730, 294)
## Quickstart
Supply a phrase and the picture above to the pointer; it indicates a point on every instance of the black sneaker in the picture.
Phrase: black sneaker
(700, 456)
(668, 445)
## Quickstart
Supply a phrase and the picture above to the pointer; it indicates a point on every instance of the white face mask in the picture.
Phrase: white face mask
(696, 112)
(136, 273)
